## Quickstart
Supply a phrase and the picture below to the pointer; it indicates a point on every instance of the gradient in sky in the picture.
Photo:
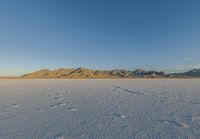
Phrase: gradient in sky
(99, 34)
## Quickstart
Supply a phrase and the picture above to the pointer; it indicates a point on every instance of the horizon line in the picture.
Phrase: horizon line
(144, 69)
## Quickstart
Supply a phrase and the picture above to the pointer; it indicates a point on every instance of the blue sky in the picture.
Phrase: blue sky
(99, 34)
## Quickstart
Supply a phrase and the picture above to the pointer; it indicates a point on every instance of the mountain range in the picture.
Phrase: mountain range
(65, 73)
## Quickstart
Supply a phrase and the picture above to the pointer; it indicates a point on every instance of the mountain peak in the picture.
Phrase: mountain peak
(89, 73)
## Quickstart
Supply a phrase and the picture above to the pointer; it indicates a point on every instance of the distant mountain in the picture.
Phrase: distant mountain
(78, 73)
(64, 73)
(139, 72)
(150, 74)
(190, 73)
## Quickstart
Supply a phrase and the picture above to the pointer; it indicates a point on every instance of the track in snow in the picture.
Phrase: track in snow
(96, 109)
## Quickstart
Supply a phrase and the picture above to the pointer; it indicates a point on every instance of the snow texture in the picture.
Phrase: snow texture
(100, 109)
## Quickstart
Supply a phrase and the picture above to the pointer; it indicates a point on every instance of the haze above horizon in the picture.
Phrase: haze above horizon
(106, 34)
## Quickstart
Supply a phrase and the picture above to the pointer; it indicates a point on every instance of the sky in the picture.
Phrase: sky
(99, 34)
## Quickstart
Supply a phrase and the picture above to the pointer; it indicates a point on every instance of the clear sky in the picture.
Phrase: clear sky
(99, 34)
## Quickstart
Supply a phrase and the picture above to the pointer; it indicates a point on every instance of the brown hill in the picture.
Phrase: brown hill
(45, 73)
(64, 73)
(79, 73)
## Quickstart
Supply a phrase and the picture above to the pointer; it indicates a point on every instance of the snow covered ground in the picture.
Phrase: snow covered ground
(100, 109)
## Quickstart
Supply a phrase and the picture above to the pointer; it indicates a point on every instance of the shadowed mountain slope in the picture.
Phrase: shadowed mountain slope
(88, 73)
(65, 73)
